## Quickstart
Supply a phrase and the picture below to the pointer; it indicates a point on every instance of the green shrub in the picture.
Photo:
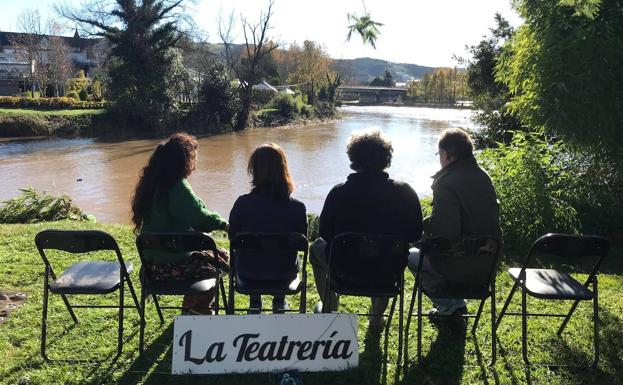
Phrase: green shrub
(66, 102)
(307, 110)
(83, 94)
(261, 97)
(312, 226)
(534, 188)
(427, 206)
(219, 99)
(286, 105)
(32, 207)
(73, 95)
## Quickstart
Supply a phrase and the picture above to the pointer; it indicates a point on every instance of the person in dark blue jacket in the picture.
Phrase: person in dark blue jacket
(268, 208)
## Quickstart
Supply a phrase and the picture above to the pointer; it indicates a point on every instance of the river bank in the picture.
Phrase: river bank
(21, 122)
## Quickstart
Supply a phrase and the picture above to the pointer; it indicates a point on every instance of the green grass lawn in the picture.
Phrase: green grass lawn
(444, 354)
(67, 112)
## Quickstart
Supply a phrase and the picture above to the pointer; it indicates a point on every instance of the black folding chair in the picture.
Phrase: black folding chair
(553, 284)
(266, 263)
(369, 265)
(461, 270)
(174, 243)
(86, 277)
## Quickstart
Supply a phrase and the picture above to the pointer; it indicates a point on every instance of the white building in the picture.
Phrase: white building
(85, 54)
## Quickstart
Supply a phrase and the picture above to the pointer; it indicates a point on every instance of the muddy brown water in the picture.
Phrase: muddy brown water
(100, 174)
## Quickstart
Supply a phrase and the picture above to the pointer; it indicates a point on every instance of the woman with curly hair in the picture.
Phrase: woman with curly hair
(268, 208)
(164, 202)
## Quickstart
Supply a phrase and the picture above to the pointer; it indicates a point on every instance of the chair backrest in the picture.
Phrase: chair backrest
(570, 246)
(267, 255)
(185, 242)
(368, 258)
(471, 261)
(75, 242)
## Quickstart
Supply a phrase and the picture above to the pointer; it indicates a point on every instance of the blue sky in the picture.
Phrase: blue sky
(416, 31)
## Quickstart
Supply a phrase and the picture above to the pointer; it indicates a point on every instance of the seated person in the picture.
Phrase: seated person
(164, 202)
(369, 201)
(268, 208)
(464, 202)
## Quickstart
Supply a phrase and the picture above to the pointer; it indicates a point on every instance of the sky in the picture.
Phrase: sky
(425, 32)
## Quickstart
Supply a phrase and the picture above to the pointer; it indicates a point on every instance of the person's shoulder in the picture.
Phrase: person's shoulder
(402, 186)
(296, 202)
(181, 186)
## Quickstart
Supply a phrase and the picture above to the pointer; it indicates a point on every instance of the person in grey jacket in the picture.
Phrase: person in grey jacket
(464, 203)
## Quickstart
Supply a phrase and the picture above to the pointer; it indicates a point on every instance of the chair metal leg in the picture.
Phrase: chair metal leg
(478, 313)
(134, 296)
(419, 325)
(303, 298)
(158, 310)
(222, 286)
(493, 326)
(524, 327)
(141, 338)
(216, 295)
(409, 315)
(44, 318)
(508, 301)
(400, 321)
(230, 309)
(386, 339)
(120, 328)
(595, 323)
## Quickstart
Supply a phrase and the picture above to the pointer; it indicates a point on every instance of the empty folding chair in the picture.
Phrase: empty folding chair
(369, 265)
(85, 277)
(456, 270)
(267, 263)
(553, 284)
(174, 243)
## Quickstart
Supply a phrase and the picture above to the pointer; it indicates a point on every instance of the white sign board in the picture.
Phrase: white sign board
(264, 343)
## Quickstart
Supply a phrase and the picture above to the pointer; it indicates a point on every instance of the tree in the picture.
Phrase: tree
(58, 64)
(219, 100)
(28, 43)
(386, 81)
(333, 82)
(312, 66)
(141, 33)
(490, 96)
(563, 70)
(246, 66)
(364, 26)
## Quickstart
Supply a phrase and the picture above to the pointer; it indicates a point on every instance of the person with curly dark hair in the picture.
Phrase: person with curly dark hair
(164, 201)
(368, 202)
(268, 208)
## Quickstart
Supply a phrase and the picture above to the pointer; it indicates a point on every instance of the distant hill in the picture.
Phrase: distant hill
(363, 70)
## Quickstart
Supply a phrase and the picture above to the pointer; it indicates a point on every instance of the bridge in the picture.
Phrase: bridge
(371, 95)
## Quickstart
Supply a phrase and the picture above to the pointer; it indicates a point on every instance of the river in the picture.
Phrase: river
(100, 174)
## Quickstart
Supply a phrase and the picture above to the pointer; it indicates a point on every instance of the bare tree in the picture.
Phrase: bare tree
(59, 64)
(28, 43)
(245, 66)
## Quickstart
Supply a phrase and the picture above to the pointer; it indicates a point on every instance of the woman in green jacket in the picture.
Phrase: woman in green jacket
(164, 202)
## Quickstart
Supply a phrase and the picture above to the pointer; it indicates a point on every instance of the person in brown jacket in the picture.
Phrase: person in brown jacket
(464, 203)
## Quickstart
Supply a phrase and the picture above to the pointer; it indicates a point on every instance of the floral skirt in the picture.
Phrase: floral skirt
(199, 265)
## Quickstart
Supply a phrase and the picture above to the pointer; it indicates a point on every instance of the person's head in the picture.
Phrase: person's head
(268, 168)
(173, 160)
(454, 144)
(369, 151)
